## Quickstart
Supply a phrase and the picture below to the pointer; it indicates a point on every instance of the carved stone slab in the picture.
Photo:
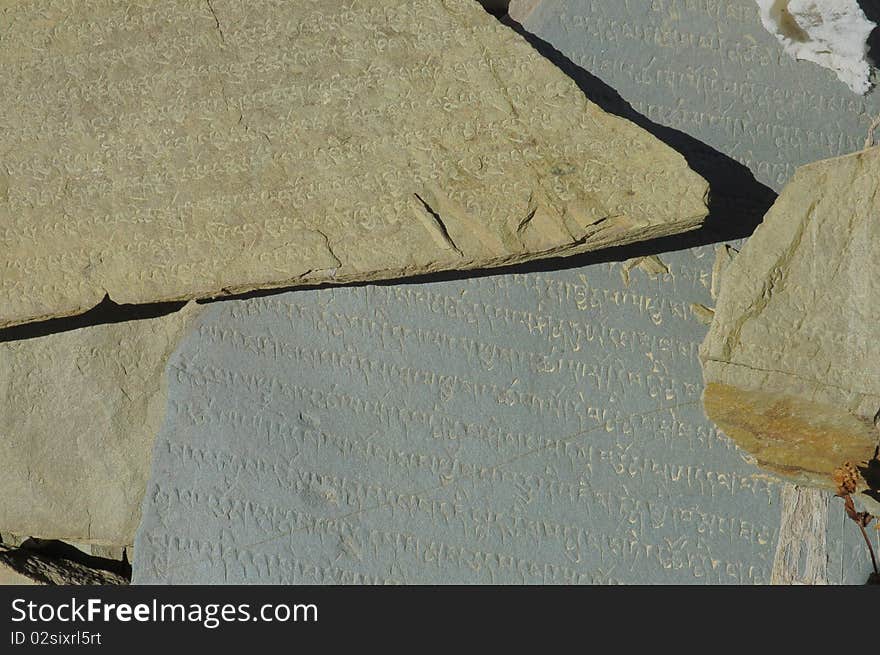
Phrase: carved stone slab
(79, 412)
(534, 428)
(170, 150)
(790, 357)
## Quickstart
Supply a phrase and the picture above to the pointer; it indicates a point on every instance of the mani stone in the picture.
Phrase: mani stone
(167, 151)
(79, 412)
(538, 427)
(541, 427)
(790, 361)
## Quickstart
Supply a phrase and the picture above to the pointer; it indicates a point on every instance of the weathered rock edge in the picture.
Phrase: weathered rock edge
(79, 414)
(790, 360)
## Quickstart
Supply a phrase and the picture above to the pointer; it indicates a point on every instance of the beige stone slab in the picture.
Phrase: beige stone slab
(79, 412)
(170, 150)
(791, 359)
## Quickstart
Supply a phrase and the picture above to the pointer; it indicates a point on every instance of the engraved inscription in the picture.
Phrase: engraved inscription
(170, 150)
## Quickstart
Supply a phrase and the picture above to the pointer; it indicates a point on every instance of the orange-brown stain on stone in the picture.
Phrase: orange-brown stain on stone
(790, 436)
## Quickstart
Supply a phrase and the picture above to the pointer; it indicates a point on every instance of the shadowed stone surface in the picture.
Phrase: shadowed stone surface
(28, 567)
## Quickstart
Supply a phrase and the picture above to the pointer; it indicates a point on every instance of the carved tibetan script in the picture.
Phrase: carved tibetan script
(173, 150)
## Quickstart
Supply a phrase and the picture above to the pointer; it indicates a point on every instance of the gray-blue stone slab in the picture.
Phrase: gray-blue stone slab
(527, 428)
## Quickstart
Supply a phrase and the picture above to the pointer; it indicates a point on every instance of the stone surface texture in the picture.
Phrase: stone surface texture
(789, 358)
(167, 150)
(79, 412)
